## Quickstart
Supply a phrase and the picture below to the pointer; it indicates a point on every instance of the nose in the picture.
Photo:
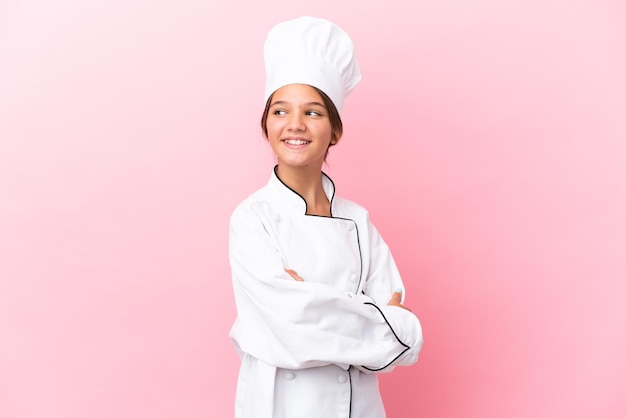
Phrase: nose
(296, 122)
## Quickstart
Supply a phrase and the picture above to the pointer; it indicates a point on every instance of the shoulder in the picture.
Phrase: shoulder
(259, 196)
(252, 207)
(346, 208)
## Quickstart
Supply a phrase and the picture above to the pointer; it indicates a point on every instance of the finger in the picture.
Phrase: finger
(405, 307)
(396, 298)
(397, 295)
(294, 275)
(394, 301)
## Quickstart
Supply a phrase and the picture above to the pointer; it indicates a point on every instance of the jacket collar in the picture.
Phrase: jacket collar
(292, 199)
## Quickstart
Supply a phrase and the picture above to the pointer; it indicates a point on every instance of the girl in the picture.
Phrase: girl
(317, 314)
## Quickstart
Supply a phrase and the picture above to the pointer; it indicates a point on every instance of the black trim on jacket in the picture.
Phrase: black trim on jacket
(406, 347)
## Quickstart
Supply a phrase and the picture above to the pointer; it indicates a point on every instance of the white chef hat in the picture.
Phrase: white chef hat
(311, 51)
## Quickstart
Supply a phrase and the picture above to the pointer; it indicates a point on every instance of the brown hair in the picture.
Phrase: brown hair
(336, 126)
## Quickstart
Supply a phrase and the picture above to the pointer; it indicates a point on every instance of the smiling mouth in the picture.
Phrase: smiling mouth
(296, 141)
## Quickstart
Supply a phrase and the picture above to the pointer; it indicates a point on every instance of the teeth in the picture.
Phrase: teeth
(296, 141)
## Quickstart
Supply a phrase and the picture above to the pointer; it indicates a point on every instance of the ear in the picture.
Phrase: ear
(335, 139)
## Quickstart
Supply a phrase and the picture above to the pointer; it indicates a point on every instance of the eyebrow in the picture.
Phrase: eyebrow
(282, 102)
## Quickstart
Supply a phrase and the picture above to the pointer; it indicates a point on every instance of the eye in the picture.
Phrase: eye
(313, 113)
(280, 112)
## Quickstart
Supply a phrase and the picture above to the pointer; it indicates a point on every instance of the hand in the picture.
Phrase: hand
(294, 275)
(396, 299)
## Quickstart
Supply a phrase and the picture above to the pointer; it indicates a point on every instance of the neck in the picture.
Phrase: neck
(307, 182)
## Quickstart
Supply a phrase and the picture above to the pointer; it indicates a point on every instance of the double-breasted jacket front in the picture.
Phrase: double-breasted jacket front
(312, 349)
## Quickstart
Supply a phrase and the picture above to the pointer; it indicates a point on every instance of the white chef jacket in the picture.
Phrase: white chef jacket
(312, 349)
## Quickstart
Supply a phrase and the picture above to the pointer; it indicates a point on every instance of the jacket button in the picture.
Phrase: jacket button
(353, 277)
(351, 227)
(290, 376)
(342, 378)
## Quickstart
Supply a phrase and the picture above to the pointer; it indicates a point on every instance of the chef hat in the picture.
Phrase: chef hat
(311, 51)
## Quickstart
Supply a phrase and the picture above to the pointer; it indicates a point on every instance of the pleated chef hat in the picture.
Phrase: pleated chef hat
(311, 51)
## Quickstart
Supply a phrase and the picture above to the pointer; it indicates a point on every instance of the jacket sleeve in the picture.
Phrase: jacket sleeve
(295, 325)
(383, 279)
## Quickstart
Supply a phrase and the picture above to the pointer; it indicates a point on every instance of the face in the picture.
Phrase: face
(298, 126)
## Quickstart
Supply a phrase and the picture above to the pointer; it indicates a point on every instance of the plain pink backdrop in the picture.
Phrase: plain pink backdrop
(487, 139)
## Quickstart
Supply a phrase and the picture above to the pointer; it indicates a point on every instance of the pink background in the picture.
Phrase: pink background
(487, 139)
